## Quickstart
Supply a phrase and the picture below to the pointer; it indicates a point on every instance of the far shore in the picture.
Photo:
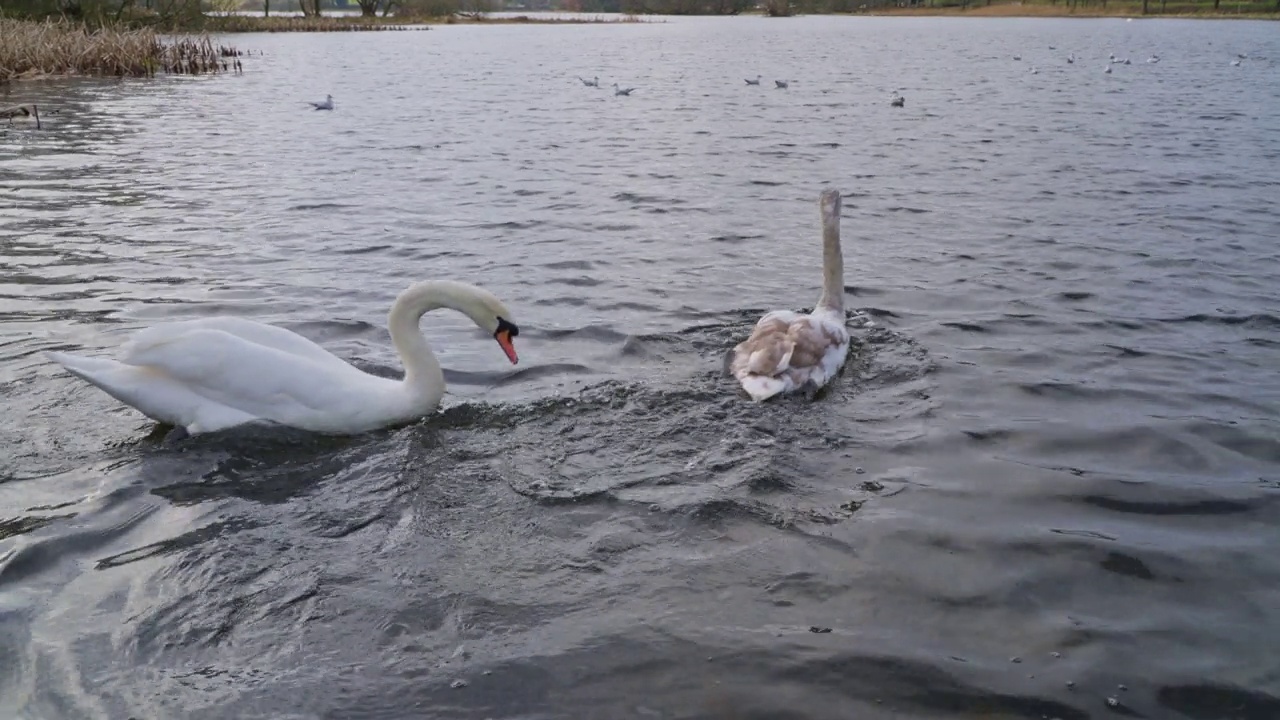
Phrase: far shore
(1128, 9)
(1061, 11)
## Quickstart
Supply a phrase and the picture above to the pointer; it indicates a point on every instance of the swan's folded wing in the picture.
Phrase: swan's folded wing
(249, 330)
(814, 338)
(767, 351)
(260, 380)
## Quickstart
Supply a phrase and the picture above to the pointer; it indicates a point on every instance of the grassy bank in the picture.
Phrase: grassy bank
(1111, 10)
(39, 49)
(277, 23)
(535, 19)
(1246, 10)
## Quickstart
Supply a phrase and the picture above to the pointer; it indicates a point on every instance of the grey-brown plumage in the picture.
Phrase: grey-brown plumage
(789, 351)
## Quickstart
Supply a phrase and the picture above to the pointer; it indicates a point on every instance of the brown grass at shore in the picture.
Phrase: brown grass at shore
(37, 49)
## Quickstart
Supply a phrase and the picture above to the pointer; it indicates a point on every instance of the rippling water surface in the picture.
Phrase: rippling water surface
(1045, 487)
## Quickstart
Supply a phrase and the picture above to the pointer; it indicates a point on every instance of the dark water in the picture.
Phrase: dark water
(1046, 486)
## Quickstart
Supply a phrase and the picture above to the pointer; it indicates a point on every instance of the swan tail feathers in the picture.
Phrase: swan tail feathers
(151, 395)
(85, 368)
(762, 387)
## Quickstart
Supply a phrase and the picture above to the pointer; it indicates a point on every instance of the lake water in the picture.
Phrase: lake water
(1047, 485)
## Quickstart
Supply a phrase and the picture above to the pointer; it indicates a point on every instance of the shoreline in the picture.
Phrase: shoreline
(988, 12)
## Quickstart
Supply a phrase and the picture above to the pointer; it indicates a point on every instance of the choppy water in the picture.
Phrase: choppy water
(1046, 487)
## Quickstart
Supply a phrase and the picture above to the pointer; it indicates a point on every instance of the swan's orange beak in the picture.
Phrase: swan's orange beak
(503, 336)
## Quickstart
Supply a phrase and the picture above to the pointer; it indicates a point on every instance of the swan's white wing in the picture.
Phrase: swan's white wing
(255, 332)
(265, 381)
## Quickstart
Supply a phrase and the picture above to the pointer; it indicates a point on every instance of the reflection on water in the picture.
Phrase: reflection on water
(1045, 487)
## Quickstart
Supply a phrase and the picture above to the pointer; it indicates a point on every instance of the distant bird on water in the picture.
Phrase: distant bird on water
(753, 82)
(22, 111)
(326, 104)
(622, 91)
(898, 100)
(780, 84)
(590, 83)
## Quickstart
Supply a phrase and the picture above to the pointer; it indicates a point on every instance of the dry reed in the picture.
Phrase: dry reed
(34, 49)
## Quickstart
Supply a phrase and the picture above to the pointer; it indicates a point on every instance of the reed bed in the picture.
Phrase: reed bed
(34, 49)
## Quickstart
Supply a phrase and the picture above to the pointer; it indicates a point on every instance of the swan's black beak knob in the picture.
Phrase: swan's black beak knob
(504, 334)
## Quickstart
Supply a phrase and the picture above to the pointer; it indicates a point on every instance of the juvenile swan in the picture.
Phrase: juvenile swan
(789, 351)
(214, 373)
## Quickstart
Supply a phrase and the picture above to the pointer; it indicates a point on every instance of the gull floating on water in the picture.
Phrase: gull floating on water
(1034, 71)
(780, 84)
(326, 104)
(898, 100)
(1071, 58)
(753, 82)
(590, 83)
(1235, 63)
(1153, 59)
(621, 91)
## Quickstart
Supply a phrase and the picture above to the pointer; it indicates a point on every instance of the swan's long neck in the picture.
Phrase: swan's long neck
(422, 372)
(832, 258)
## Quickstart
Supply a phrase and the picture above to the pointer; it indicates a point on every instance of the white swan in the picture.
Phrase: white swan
(214, 373)
(790, 351)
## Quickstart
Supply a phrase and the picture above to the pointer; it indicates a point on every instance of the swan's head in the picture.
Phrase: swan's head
(487, 311)
(504, 333)
(482, 306)
(830, 203)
